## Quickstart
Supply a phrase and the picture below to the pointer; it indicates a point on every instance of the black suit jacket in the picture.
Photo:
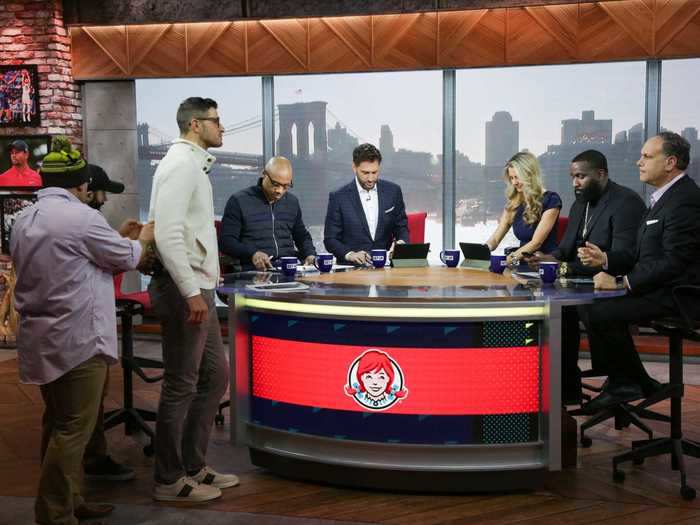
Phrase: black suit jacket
(612, 225)
(668, 242)
(346, 227)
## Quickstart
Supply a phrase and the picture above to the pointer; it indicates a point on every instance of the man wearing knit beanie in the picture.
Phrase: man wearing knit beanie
(65, 253)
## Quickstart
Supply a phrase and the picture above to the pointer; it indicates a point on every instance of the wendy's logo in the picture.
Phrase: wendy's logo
(375, 380)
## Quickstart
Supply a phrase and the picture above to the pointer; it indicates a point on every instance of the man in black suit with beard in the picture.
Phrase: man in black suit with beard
(607, 215)
(666, 256)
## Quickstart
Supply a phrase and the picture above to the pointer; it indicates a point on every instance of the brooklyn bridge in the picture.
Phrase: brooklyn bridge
(321, 157)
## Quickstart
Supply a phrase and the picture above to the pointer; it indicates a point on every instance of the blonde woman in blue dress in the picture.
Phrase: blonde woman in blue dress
(531, 210)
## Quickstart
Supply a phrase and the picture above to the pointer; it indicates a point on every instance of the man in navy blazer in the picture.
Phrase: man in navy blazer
(366, 214)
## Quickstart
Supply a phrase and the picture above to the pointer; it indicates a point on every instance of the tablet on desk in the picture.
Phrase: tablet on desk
(411, 251)
(475, 252)
(476, 256)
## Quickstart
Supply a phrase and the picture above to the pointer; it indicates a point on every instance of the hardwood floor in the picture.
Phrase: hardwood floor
(586, 494)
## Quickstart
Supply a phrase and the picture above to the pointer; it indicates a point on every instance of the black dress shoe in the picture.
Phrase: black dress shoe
(652, 387)
(614, 395)
(572, 398)
(88, 511)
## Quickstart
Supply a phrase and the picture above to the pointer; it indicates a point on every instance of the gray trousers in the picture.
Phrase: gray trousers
(195, 378)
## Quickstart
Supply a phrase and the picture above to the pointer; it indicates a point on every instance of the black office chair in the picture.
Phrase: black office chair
(134, 419)
(624, 414)
(677, 329)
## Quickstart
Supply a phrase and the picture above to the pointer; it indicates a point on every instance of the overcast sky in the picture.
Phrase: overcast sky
(539, 98)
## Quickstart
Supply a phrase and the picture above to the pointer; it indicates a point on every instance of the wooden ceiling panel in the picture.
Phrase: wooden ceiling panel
(529, 44)
(472, 38)
(405, 41)
(673, 18)
(157, 50)
(218, 48)
(602, 38)
(99, 54)
(560, 22)
(635, 18)
(567, 33)
(682, 42)
(278, 46)
(340, 44)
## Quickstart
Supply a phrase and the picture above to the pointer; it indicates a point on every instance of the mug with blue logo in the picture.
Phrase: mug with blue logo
(324, 262)
(548, 271)
(450, 258)
(498, 263)
(378, 258)
(288, 265)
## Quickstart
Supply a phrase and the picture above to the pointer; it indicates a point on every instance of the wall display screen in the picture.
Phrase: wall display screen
(19, 96)
(459, 383)
(11, 204)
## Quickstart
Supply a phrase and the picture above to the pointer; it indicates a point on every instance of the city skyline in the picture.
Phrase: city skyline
(538, 97)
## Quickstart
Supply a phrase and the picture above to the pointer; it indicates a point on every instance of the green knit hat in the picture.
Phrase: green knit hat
(63, 167)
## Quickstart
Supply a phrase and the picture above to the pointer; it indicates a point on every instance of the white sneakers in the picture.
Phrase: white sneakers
(208, 476)
(206, 485)
(185, 489)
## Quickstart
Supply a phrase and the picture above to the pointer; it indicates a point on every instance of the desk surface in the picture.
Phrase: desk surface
(438, 277)
(412, 284)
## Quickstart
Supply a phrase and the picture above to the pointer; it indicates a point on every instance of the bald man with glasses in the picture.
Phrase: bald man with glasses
(264, 222)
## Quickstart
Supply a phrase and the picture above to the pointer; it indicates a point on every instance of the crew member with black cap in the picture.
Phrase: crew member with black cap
(65, 254)
(20, 174)
(97, 463)
(100, 185)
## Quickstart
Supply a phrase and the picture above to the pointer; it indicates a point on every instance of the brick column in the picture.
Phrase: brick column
(33, 32)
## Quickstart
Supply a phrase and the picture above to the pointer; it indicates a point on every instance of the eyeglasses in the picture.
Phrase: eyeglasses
(215, 120)
(276, 184)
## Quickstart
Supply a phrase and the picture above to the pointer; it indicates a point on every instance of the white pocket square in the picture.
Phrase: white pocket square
(652, 221)
(389, 210)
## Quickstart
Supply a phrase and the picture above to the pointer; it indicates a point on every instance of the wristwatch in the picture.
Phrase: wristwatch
(563, 269)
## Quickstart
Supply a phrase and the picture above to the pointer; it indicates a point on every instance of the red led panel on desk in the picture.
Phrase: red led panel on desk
(438, 381)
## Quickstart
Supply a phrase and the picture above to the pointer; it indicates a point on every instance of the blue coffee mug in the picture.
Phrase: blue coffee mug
(498, 263)
(548, 271)
(450, 258)
(288, 265)
(378, 258)
(324, 262)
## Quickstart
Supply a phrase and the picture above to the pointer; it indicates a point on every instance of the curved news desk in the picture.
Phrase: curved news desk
(409, 379)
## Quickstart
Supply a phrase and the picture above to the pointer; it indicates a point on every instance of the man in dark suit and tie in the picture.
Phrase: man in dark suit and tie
(606, 215)
(666, 255)
(365, 214)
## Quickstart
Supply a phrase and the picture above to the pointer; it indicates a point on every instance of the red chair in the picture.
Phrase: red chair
(138, 297)
(562, 223)
(416, 226)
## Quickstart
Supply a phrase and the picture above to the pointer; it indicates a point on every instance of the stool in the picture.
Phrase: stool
(134, 419)
(677, 329)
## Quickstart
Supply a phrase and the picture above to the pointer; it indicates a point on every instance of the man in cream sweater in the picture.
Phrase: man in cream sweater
(182, 293)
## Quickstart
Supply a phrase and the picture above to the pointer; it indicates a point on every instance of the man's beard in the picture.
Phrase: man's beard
(590, 193)
(96, 205)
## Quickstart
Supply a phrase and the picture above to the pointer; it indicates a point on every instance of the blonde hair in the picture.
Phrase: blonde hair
(528, 170)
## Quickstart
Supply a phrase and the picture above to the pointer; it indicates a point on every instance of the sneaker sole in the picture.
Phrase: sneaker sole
(185, 499)
(227, 485)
